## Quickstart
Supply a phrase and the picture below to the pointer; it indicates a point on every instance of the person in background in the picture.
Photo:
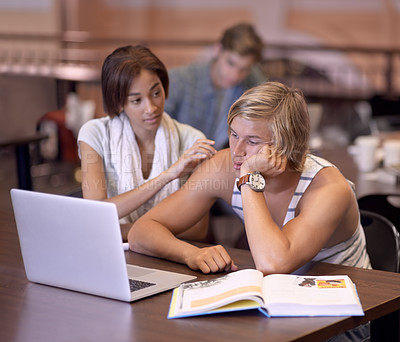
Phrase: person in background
(202, 93)
(137, 155)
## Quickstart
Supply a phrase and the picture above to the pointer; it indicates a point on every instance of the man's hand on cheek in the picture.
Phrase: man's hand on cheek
(266, 161)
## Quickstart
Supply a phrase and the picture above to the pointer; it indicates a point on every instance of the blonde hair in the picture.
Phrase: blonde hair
(286, 111)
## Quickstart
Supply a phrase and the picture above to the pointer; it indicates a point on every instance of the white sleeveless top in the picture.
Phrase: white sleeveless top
(351, 252)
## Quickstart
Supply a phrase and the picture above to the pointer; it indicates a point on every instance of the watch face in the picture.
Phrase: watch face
(257, 181)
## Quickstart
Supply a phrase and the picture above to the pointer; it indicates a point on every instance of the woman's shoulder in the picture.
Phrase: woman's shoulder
(95, 125)
(94, 133)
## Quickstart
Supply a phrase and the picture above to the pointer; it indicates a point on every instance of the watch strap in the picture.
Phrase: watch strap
(243, 180)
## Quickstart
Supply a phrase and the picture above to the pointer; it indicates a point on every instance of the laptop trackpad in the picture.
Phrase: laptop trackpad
(137, 271)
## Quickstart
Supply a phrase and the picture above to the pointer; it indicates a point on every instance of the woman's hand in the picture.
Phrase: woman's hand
(211, 260)
(201, 150)
(267, 161)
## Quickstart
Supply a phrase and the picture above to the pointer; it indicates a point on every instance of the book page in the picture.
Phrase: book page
(308, 289)
(209, 294)
(297, 293)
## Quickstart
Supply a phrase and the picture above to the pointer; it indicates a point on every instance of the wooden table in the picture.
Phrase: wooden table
(33, 312)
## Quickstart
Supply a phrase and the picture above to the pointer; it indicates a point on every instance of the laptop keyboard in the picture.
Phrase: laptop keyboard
(138, 284)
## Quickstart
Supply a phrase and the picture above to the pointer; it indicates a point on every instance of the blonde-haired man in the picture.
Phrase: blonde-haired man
(296, 207)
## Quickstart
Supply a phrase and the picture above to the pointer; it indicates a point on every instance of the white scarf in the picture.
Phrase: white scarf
(127, 163)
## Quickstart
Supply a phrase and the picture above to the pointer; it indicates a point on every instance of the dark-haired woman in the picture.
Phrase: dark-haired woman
(137, 155)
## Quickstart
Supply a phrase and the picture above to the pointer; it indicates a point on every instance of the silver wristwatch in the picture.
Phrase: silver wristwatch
(255, 180)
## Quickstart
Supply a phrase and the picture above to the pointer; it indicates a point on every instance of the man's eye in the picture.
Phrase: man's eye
(135, 101)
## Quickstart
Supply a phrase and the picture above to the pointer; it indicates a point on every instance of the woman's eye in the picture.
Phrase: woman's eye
(251, 142)
(135, 101)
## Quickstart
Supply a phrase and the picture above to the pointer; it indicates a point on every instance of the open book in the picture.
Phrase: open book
(274, 295)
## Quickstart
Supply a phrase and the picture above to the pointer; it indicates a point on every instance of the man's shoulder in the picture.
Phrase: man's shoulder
(190, 70)
(219, 165)
(255, 77)
(216, 176)
(184, 84)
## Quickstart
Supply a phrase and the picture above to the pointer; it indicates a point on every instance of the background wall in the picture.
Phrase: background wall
(364, 23)
(181, 31)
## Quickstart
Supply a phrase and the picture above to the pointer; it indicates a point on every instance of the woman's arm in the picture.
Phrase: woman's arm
(94, 182)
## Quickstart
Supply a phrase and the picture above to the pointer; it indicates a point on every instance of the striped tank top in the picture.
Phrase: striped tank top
(351, 252)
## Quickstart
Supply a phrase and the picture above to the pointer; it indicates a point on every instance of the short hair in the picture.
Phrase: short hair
(243, 39)
(286, 111)
(119, 69)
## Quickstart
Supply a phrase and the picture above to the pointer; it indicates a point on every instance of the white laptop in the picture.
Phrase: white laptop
(76, 244)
